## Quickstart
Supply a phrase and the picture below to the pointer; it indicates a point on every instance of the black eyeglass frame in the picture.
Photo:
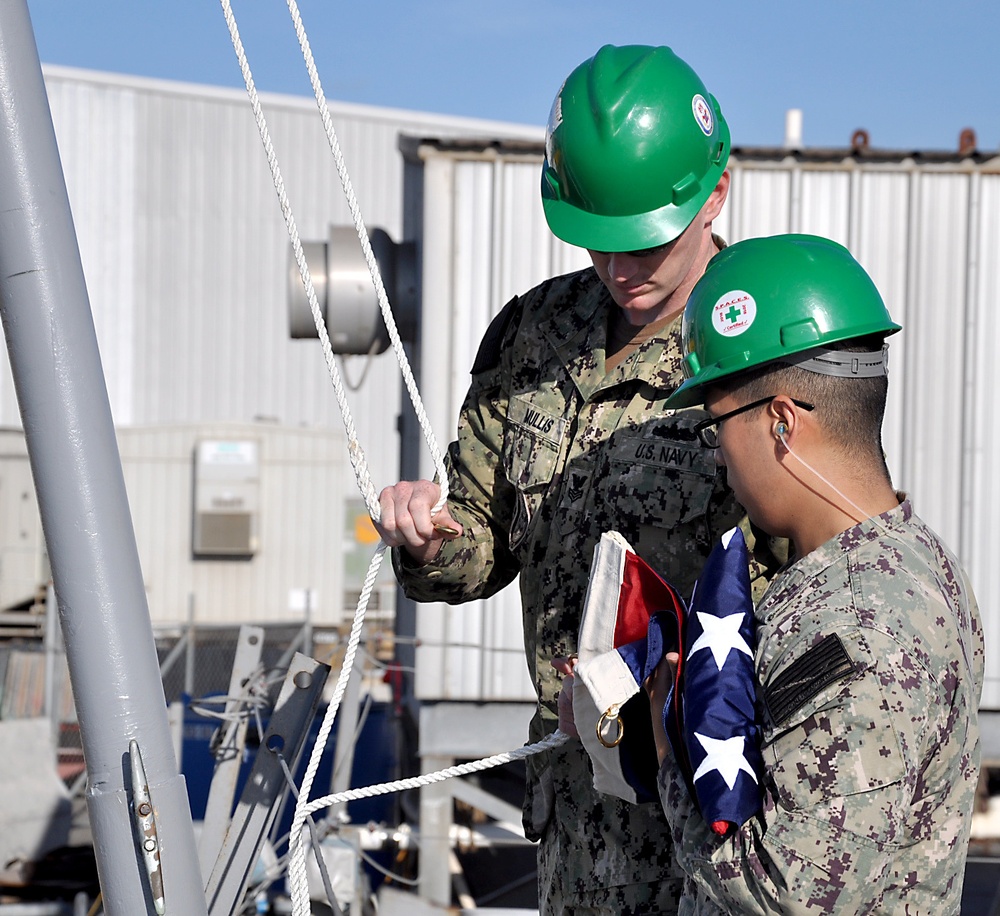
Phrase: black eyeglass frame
(709, 435)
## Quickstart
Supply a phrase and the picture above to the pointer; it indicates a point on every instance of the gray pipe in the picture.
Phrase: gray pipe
(81, 496)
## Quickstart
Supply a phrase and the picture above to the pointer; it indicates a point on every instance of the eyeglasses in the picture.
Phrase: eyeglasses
(708, 432)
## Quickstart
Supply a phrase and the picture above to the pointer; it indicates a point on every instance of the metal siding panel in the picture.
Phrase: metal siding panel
(303, 495)
(431, 654)
(981, 496)
(96, 140)
(483, 656)
(867, 208)
(824, 204)
(881, 245)
(528, 253)
(566, 258)
(438, 240)
(473, 271)
(467, 664)
(211, 251)
(232, 338)
(760, 202)
(299, 520)
(507, 672)
(723, 225)
(933, 353)
(210, 246)
(524, 232)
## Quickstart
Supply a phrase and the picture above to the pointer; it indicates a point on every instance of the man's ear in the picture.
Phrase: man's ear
(713, 206)
(783, 418)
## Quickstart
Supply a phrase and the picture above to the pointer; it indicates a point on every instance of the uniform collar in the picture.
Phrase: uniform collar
(833, 551)
(578, 332)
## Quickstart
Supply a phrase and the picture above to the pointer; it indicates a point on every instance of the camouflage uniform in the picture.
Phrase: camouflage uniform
(551, 452)
(870, 659)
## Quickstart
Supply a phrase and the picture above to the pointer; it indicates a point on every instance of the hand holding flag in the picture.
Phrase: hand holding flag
(708, 703)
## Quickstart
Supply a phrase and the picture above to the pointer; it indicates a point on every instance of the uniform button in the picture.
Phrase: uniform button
(434, 574)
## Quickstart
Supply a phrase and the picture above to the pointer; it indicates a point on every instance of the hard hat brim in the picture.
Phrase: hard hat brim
(630, 232)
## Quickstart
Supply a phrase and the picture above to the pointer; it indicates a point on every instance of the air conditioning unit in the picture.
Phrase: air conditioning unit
(226, 498)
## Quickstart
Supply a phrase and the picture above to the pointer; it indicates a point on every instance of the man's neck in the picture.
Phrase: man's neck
(624, 338)
(824, 513)
(673, 304)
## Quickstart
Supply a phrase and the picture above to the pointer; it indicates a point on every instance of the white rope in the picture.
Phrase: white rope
(298, 882)
(297, 878)
(358, 463)
(427, 779)
(359, 225)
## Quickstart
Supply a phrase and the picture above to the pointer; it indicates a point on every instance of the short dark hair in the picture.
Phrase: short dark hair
(850, 410)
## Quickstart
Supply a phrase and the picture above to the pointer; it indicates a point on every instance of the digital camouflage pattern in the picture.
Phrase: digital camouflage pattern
(872, 765)
(551, 452)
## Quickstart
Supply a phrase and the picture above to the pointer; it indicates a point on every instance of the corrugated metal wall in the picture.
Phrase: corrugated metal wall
(185, 254)
(484, 240)
(302, 478)
(298, 505)
(926, 227)
(185, 250)
(928, 230)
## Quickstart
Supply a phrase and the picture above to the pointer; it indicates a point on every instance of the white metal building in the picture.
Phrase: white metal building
(185, 255)
(186, 258)
(927, 227)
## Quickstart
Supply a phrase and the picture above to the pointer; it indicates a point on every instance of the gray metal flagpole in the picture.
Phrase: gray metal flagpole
(139, 813)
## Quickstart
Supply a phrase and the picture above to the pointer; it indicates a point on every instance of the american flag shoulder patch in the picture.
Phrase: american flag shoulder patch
(824, 664)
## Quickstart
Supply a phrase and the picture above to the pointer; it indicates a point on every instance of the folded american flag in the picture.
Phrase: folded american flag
(719, 733)
(710, 713)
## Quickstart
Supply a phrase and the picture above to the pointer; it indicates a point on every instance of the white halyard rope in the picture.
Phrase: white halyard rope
(357, 457)
(415, 782)
(298, 883)
(359, 225)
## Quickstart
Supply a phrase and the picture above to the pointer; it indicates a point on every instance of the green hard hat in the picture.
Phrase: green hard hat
(635, 145)
(768, 299)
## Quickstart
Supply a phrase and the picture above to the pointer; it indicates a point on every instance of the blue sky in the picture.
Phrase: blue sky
(913, 74)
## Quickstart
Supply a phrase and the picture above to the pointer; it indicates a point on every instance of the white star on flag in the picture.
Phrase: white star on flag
(726, 756)
(720, 634)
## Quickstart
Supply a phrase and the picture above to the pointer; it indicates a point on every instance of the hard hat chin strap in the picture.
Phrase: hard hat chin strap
(842, 363)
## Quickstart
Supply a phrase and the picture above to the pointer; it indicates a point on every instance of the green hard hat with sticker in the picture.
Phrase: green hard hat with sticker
(782, 298)
(635, 145)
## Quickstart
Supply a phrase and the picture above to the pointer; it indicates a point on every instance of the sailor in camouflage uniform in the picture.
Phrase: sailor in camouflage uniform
(869, 648)
(564, 435)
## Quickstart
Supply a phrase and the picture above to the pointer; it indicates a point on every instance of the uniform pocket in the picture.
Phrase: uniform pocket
(531, 447)
(657, 477)
(663, 491)
(531, 442)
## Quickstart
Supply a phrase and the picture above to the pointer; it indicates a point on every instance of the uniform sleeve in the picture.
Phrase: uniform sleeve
(840, 775)
(479, 563)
